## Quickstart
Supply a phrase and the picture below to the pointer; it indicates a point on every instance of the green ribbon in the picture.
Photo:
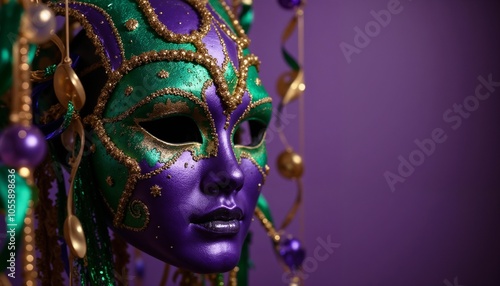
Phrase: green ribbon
(15, 195)
(287, 56)
(289, 59)
(68, 116)
(50, 70)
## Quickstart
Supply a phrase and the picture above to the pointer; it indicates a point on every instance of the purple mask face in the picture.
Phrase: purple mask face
(180, 154)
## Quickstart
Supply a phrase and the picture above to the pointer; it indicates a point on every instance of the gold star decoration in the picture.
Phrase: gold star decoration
(258, 82)
(155, 191)
(128, 90)
(163, 74)
(131, 24)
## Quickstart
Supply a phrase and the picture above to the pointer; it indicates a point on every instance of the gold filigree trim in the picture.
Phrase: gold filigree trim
(90, 30)
(138, 209)
(239, 42)
(161, 109)
(211, 149)
(118, 155)
(261, 101)
(194, 37)
(225, 62)
(152, 96)
(165, 166)
(231, 101)
(240, 37)
(245, 155)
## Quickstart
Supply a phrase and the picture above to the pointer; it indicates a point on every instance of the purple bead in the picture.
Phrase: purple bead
(291, 251)
(290, 4)
(22, 146)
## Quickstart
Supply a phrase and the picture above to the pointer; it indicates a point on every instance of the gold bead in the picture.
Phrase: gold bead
(290, 164)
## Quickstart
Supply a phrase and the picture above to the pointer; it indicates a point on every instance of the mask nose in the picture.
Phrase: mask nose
(223, 174)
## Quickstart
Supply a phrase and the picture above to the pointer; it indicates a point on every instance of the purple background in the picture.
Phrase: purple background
(442, 222)
(439, 227)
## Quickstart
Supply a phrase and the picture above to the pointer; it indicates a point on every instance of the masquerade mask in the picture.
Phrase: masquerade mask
(178, 128)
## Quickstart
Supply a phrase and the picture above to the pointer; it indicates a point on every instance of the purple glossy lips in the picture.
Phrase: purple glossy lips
(221, 221)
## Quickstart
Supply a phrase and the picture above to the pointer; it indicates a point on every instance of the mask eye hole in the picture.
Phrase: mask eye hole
(174, 129)
(249, 133)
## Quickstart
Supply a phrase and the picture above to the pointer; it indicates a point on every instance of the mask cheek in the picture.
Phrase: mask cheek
(171, 196)
(170, 186)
